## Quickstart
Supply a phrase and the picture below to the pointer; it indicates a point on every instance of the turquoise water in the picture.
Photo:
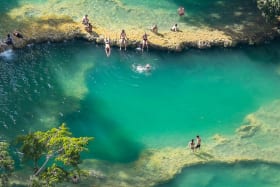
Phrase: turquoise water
(196, 92)
(184, 94)
(127, 111)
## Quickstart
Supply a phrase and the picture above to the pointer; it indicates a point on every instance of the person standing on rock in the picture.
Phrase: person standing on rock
(107, 47)
(145, 41)
(123, 39)
(192, 145)
(198, 142)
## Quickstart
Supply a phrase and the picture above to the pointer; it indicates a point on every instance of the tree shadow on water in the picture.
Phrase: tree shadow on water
(111, 142)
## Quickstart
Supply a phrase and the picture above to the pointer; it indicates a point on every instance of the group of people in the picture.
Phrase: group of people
(195, 145)
(123, 40)
(123, 37)
(9, 39)
(174, 28)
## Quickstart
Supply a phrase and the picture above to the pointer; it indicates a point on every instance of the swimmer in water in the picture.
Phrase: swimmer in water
(145, 68)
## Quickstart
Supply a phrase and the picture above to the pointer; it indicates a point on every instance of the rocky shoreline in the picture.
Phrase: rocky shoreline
(59, 29)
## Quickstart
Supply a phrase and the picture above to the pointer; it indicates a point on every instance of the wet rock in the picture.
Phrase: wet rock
(247, 131)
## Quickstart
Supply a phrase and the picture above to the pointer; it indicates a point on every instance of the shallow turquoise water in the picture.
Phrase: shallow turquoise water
(196, 92)
(185, 94)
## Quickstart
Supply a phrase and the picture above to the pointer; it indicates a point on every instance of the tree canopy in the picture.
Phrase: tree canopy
(269, 8)
(58, 152)
(6, 163)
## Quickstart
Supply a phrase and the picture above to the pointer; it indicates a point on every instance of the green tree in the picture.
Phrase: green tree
(269, 8)
(58, 152)
(6, 163)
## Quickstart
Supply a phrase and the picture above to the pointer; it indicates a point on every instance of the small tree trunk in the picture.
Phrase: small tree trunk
(43, 166)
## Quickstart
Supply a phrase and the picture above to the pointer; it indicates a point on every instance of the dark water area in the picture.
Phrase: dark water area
(234, 175)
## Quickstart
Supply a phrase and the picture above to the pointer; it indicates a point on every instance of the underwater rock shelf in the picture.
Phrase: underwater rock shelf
(161, 165)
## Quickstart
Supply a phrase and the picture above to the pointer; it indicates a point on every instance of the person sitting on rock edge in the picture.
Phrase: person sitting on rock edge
(9, 40)
(154, 28)
(89, 27)
(17, 34)
(175, 28)
(85, 20)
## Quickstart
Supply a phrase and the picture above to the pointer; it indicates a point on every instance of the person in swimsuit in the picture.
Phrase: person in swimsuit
(85, 20)
(107, 47)
(174, 28)
(9, 40)
(17, 34)
(145, 41)
(181, 11)
(89, 28)
(75, 179)
(198, 142)
(192, 145)
(123, 39)
(154, 28)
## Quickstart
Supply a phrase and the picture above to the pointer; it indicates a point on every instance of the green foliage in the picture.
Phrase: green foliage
(57, 146)
(270, 8)
(54, 174)
(6, 163)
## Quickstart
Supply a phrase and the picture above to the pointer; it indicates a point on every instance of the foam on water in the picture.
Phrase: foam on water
(7, 55)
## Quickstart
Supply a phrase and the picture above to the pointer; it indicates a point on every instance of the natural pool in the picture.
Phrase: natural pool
(128, 112)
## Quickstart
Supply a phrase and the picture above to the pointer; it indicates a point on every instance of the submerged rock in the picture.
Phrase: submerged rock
(156, 166)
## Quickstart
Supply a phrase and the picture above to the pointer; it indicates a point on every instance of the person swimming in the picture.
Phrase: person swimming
(145, 68)
(107, 47)
(123, 39)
